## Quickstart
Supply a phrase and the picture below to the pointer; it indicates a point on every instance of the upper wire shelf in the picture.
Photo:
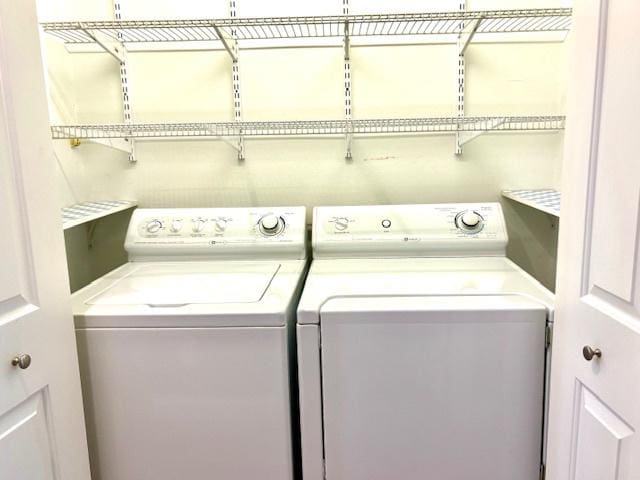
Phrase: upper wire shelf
(311, 127)
(439, 23)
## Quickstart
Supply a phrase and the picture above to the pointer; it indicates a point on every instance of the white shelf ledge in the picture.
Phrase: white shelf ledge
(546, 200)
(89, 211)
(310, 128)
(202, 30)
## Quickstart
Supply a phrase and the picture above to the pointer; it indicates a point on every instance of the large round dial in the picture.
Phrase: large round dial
(469, 221)
(197, 225)
(154, 226)
(271, 224)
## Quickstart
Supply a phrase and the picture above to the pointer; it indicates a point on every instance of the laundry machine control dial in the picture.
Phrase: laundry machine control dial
(197, 225)
(176, 225)
(220, 225)
(153, 226)
(469, 221)
(270, 225)
(341, 224)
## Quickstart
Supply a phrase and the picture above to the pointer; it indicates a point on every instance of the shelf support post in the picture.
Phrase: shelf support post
(124, 82)
(235, 71)
(462, 7)
(347, 84)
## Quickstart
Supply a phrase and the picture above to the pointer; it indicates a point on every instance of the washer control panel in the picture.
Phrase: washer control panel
(236, 232)
(416, 230)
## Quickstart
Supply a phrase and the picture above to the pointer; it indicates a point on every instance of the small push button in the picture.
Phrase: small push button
(386, 223)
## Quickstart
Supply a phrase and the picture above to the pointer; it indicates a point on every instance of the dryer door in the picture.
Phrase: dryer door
(433, 387)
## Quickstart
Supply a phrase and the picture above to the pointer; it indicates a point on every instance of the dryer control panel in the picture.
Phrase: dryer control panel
(435, 230)
(277, 232)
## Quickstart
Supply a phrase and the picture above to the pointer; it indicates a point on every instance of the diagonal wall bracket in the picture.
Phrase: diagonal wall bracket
(115, 49)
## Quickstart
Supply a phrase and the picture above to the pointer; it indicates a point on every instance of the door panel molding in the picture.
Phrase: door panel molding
(26, 439)
(14, 308)
(593, 148)
(598, 434)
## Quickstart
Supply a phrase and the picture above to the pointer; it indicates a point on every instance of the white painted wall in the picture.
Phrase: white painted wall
(513, 78)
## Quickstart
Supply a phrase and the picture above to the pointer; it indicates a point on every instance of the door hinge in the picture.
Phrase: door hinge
(543, 471)
(548, 336)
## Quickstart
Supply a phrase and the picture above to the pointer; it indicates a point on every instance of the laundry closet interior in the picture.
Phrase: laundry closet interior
(405, 119)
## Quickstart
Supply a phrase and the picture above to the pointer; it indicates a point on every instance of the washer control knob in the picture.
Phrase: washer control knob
(469, 221)
(176, 225)
(271, 224)
(220, 225)
(197, 225)
(386, 223)
(154, 226)
(341, 224)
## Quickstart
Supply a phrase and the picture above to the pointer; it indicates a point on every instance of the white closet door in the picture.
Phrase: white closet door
(42, 433)
(595, 388)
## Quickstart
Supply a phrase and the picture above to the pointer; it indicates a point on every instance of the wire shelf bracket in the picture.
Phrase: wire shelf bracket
(109, 45)
(121, 144)
(467, 136)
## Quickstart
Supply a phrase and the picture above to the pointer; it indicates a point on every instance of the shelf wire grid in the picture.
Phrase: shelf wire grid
(196, 30)
(87, 211)
(312, 127)
(547, 200)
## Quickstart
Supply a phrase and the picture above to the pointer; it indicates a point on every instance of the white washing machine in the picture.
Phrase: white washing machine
(422, 350)
(185, 350)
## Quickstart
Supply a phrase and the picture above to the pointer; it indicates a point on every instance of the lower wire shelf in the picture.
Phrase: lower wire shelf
(546, 200)
(311, 127)
(88, 211)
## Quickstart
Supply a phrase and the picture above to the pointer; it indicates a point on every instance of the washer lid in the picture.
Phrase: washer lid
(165, 285)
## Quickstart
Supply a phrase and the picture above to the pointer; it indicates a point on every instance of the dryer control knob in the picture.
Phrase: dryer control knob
(469, 221)
(154, 226)
(176, 226)
(197, 225)
(220, 225)
(271, 224)
(341, 224)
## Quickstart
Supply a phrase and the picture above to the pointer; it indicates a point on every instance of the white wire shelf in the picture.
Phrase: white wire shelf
(546, 200)
(310, 128)
(88, 211)
(198, 30)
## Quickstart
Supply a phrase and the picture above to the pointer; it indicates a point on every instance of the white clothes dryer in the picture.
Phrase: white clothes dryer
(422, 349)
(185, 350)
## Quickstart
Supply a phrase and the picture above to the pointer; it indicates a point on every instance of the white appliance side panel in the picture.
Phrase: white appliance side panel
(310, 388)
(164, 404)
(433, 394)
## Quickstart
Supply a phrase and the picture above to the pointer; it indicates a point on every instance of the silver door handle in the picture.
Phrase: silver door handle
(23, 361)
(588, 353)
